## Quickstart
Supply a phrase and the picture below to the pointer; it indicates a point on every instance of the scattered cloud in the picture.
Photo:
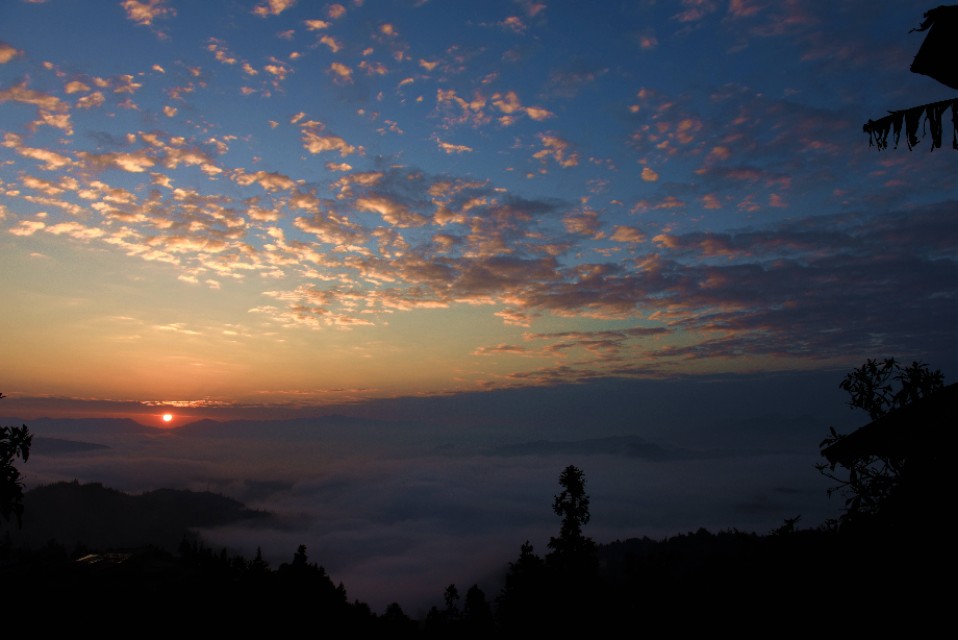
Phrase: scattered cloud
(695, 10)
(514, 24)
(315, 142)
(450, 148)
(556, 149)
(272, 8)
(8, 52)
(341, 72)
(683, 209)
(144, 13)
(627, 234)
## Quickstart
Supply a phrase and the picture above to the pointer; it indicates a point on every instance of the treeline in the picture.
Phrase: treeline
(195, 588)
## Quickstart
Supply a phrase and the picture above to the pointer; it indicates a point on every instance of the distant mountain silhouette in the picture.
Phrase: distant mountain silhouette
(333, 430)
(258, 426)
(101, 518)
(55, 446)
(629, 446)
(69, 427)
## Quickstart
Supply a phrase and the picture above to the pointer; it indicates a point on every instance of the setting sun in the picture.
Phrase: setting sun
(167, 417)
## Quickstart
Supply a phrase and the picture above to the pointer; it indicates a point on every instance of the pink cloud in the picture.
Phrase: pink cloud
(8, 52)
(144, 13)
(272, 8)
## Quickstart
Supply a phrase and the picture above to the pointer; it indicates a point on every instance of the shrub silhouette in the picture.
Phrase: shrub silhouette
(14, 443)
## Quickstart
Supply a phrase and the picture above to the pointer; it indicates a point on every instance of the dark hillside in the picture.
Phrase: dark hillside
(101, 518)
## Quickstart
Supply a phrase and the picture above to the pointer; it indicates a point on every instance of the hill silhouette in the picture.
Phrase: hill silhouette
(101, 518)
(57, 446)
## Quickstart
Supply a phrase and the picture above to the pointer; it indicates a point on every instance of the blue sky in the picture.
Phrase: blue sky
(275, 202)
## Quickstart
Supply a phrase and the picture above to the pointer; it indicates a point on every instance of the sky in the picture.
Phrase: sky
(517, 220)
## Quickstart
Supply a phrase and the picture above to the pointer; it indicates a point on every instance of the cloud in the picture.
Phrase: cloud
(331, 230)
(317, 143)
(331, 42)
(51, 159)
(268, 180)
(316, 25)
(514, 24)
(457, 110)
(135, 162)
(743, 8)
(452, 148)
(28, 227)
(69, 207)
(278, 70)
(711, 201)
(509, 349)
(509, 104)
(648, 40)
(39, 184)
(373, 68)
(51, 110)
(695, 10)
(75, 230)
(8, 52)
(392, 211)
(627, 234)
(584, 223)
(272, 8)
(558, 150)
(220, 52)
(341, 71)
(144, 13)
(538, 113)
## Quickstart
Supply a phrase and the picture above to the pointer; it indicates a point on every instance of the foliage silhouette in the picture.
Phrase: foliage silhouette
(473, 620)
(14, 443)
(571, 550)
(879, 457)
(562, 593)
(477, 615)
(524, 599)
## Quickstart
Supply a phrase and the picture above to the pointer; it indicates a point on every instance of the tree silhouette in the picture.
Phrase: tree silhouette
(571, 549)
(14, 443)
(524, 603)
(477, 614)
(893, 459)
(451, 597)
(936, 59)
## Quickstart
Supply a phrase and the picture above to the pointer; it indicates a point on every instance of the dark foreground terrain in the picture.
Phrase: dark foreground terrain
(815, 580)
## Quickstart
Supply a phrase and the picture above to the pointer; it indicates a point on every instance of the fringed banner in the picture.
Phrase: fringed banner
(931, 115)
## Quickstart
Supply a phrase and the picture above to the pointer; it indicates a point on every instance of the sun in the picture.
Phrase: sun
(167, 417)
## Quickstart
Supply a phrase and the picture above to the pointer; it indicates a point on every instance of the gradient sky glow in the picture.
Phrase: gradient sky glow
(287, 202)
